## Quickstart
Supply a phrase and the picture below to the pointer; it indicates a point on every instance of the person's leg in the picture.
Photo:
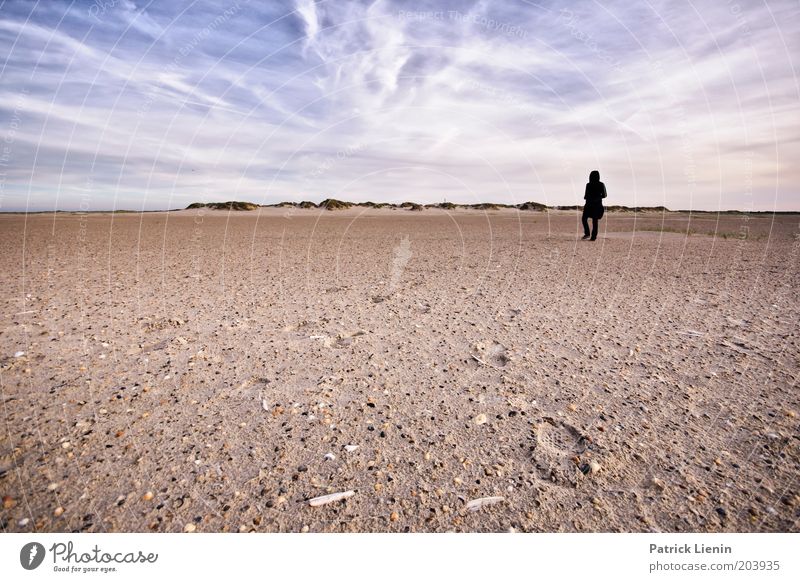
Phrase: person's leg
(585, 220)
(595, 222)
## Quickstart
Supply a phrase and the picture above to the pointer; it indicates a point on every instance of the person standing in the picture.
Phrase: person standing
(593, 208)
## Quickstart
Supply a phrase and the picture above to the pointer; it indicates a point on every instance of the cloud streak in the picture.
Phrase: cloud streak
(156, 105)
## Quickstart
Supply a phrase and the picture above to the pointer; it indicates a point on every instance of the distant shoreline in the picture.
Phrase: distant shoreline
(331, 204)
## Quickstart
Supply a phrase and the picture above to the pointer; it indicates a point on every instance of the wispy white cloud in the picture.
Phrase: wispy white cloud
(139, 19)
(307, 10)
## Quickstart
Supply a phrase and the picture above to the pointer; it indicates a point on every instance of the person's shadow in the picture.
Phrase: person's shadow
(593, 208)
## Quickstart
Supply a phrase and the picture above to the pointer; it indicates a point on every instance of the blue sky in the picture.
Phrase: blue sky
(151, 105)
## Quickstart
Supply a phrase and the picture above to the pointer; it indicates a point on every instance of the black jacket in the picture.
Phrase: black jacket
(595, 192)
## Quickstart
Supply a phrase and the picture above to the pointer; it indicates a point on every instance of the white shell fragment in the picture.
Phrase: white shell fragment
(325, 499)
(476, 504)
(330, 457)
(350, 448)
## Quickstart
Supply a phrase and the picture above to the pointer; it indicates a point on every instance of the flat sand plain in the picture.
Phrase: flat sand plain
(213, 371)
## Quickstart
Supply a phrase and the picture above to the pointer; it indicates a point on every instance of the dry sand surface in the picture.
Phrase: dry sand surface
(207, 371)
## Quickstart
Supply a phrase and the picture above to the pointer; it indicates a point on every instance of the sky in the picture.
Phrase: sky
(139, 105)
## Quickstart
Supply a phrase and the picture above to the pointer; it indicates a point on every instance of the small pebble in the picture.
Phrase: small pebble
(58, 512)
(190, 527)
(304, 529)
(394, 516)
(23, 522)
(52, 487)
(594, 466)
(148, 496)
(350, 448)
(330, 457)
(19, 354)
(8, 502)
(480, 419)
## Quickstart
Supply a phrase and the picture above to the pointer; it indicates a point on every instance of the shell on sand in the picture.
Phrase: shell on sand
(476, 504)
(325, 499)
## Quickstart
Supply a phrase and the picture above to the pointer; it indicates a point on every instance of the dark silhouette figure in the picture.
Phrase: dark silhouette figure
(595, 192)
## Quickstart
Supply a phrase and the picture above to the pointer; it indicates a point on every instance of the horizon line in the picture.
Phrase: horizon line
(332, 204)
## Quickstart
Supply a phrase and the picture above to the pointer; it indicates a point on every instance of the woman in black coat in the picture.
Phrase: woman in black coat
(595, 192)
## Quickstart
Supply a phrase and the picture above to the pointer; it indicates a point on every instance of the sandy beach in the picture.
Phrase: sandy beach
(212, 371)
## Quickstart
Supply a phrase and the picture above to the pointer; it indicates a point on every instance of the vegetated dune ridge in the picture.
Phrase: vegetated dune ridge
(208, 370)
(334, 204)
